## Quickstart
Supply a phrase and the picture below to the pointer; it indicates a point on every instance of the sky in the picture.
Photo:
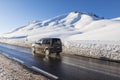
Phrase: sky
(18, 13)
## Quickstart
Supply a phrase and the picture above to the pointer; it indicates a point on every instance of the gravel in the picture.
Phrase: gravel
(12, 70)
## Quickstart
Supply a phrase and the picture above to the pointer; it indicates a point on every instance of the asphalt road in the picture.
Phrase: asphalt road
(65, 67)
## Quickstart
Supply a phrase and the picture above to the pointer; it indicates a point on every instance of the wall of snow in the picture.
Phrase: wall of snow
(96, 49)
(18, 42)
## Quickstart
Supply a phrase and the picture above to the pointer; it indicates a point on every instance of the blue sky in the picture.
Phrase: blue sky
(17, 13)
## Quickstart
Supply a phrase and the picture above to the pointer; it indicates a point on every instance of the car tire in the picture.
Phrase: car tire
(33, 52)
(47, 52)
(58, 54)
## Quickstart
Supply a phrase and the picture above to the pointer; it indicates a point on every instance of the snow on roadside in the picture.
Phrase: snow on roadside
(97, 49)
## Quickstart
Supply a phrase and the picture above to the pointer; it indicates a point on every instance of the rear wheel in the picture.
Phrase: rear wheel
(58, 54)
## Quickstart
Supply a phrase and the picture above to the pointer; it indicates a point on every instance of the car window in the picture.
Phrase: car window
(38, 42)
(56, 42)
(46, 41)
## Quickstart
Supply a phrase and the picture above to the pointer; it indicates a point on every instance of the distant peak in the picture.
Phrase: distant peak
(87, 13)
(76, 12)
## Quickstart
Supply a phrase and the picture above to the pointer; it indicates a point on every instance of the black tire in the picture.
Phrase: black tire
(58, 54)
(33, 52)
(47, 52)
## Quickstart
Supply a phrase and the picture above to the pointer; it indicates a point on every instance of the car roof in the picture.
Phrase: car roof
(50, 38)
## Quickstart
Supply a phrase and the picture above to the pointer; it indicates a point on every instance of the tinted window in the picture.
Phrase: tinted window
(56, 41)
(46, 41)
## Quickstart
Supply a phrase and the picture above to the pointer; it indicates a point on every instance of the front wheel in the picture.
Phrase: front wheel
(47, 52)
(33, 52)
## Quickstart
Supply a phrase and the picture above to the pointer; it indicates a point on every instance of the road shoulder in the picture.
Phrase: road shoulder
(12, 70)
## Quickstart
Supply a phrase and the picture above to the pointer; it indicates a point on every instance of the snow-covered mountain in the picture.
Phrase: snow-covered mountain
(72, 26)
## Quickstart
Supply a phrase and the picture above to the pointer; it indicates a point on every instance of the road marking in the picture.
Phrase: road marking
(111, 74)
(44, 72)
(6, 55)
(18, 60)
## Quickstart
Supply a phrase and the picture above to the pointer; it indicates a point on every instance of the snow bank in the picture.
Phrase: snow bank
(96, 49)
(17, 42)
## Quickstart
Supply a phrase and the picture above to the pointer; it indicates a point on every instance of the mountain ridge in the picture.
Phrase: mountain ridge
(72, 26)
(58, 18)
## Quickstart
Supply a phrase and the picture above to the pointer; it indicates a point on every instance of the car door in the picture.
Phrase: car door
(45, 44)
(38, 46)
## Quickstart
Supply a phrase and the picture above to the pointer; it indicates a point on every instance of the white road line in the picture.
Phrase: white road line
(111, 74)
(18, 60)
(44, 72)
(6, 55)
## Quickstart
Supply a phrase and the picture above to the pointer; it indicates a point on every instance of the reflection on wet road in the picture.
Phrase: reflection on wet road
(65, 67)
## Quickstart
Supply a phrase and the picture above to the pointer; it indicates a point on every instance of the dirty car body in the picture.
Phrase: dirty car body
(47, 46)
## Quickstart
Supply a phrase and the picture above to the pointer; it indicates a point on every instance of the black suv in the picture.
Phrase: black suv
(47, 46)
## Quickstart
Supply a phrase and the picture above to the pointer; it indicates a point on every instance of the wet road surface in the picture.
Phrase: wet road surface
(66, 67)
